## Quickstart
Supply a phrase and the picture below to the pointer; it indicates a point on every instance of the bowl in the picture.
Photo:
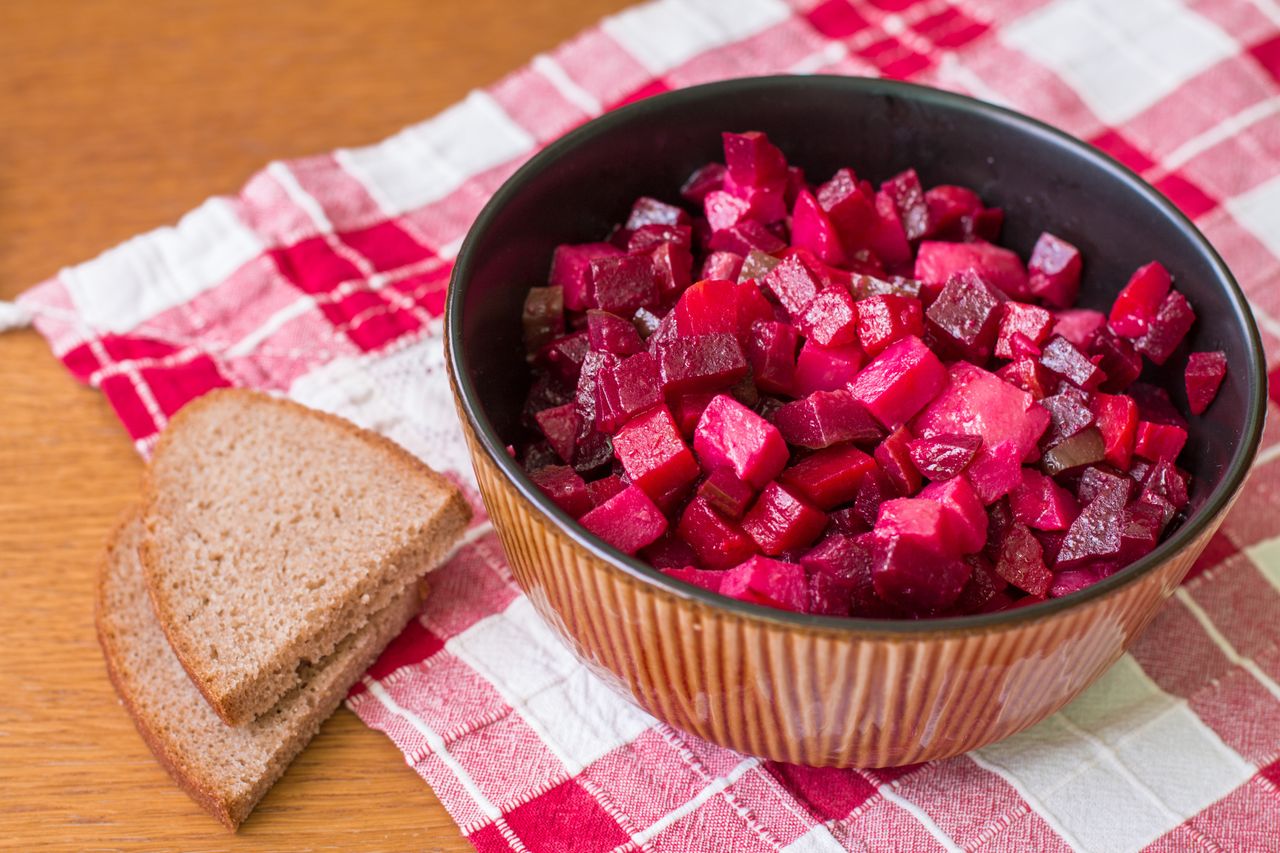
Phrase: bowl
(795, 687)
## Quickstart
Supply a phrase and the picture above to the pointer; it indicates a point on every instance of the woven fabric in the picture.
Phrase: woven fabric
(324, 279)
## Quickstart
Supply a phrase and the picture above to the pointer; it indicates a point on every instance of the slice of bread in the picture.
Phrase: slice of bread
(273, 532)
(226, 769)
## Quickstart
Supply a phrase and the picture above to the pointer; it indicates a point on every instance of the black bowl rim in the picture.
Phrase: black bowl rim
(493, 446)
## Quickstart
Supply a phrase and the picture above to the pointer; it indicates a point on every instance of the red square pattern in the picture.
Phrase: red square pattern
(836, 19)
(1260, 500)
(427, 289)
(474, 584)
(989, 801)
(654, 87)
(1267, 54)
(773, 50)
(313, 266)
(1219, 549)
(706, 829)
(883, 825)
(1243, 713)
(133, 413)
(1242, 604)
(414, 645)
(532, 102)
(647, 778)
(347, 204)
(369, 320)
(267, 208)
(565, 819)
(768, 804)
(1192, 200)
(1238, 821)
(827, 792)
(445, 693)
(950, 28)
(386, 246)
(1177, 654)
(176, 385)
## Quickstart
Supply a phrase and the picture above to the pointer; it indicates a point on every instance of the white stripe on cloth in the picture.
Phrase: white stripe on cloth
(14, 316)
(1224, 644)
(566, 86)
(692, 804)
(1266, 554)
(921, 815)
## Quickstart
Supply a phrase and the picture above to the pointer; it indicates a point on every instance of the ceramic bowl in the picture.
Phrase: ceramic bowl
(795, 687)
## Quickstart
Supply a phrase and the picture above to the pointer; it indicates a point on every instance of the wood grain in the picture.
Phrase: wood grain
(116, 118)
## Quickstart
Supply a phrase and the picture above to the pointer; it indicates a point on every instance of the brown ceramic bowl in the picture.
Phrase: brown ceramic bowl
(795, 687)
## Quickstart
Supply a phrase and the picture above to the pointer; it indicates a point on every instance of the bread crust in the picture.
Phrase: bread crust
(237, 707)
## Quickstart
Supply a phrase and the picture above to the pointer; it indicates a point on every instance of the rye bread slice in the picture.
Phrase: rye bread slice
(226, 769)
(273, 531)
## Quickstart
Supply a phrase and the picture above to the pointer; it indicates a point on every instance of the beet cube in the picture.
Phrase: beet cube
(724, 210)
(825, 418)
(812, 229)
(772, 583)
(1118, 359)
(1006, 418)
(715, 306)
(565, 488)
(943, 456)
(650, 211)
(771, 350)
(1140, 529)
(1054, 271)
(1154, 405)
(900, 381)
(543, 317)
(726, 493)
(780, 520)
(908, 198)
(1205, 372)
(560, 424)
(745, 237)
(830, 319)
(721, 265)
(1021, 561)
(1136, 305)
(1167, 481)
(624, 389)
(851, 210)
(982, 588)
(756, 265)
(565, 355)
(649, 237)
(839, 569)
(964, 517)
(731, 435)
(1172, 322)
(820, 368)
(894, 458)
(701, 363)
(1071, 580)
(887, 237)
(1117, 418)
(1095, 534)
(704, 578)
(611, 333)
(687, 409)
(949, 206)
(1154, 442)
(766, 203)
(571, 270)
(628, 521)
(1084, 448)
(885, 318)
(606, 487)
(654, 454)
(793, 284)
(1019, 318)
(1041, 503)
(752, 160)
(1029, 375)
(914, 577)
(703, 180)
(1069, 412)
(966, 316)
(672, 268)
(1000, 268)
(718, 542)
(829, 477)
(1064, 359)
(670, 552)
(623, 284)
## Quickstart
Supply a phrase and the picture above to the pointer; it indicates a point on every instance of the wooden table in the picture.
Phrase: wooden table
(114, 119)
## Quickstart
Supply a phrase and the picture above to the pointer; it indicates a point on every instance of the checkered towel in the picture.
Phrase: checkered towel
(324, 280)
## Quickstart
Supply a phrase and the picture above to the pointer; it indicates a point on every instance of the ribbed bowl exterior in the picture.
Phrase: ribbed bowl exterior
(810, 695)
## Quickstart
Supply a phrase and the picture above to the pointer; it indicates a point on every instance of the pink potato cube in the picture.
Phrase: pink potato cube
(654, 454)
(831, 318)
(1031, 321)
(964, 517)
(900, 381)
(732, 436)
(628, 521)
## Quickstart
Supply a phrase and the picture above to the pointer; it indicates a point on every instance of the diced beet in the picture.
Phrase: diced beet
(543, 317)
(975, 402)
(721, 265)
(820, 368)
(756, 265)
(1001, 268)
(1172, 322)
(1117, 418)
(1029, 375)
(649, 237)
(1031, 321)
(900, 381)
(1054, 271)
(624, 389)
(586, 397)
(565, 488)
(623, 284)
(1205, 372)
(1064, 359)
(839, 569)
(715, 306)
(829, 477)
(592, 451)
(781, 521)
(830, 319)
(752, 160)
(705, 578)
(811, 229)
(913, 577)
(670, 552)
(1069, 412)
(560, 424)
(1140, 530)
(745, 237)
(653, 452)
(908, 198)
(1095, 534)
(966, 316)
(885, 318)
(1096, 481)
(1041, 503)
(766, 204)
(718, 542)
(729, 495)
(1084, 448)
(1167, 481)
(1079, 325)
(571, 270)
(672, 268)
(724, 210)
(565, 355)
(793, 284)
(943, 456)
(702, 181)
(701, 363)
(866, 285)
(948, 206)
(876, 488)
(772, 583)
(1136, 305)
(611, 333)
(963, 515)
(1154, 405)
(628, 521)
(983, 586)
(606, 487)
(894, 458)
(771, 350)
(887, 237)
(1118, 359)
(1021, 561)
(824, 418)
(687, 409)
(649, 211)
(850, 209)
(846, 520)
(1154, 442)
(1072, 580)
(731, 435)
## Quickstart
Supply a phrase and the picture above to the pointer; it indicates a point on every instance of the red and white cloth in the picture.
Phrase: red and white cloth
(324, 280)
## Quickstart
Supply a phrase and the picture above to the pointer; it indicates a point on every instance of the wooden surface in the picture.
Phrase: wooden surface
(117, 118)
